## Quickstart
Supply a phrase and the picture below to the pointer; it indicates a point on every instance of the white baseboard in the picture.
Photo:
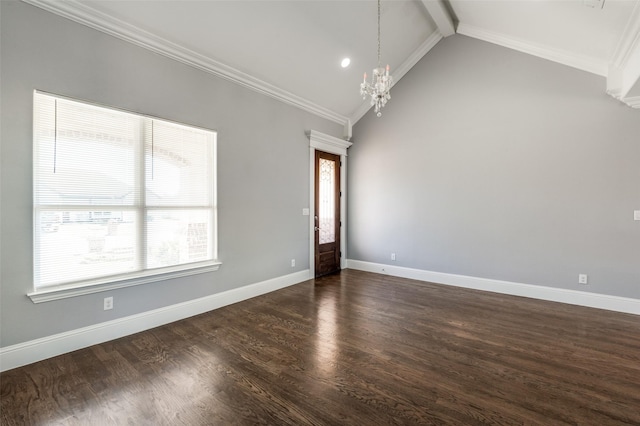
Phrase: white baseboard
(572, 297)
(50, 346)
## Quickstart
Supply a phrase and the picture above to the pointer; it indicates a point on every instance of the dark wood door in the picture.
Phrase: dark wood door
(327, 213)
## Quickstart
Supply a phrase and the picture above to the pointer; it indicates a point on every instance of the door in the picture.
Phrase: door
(327, 213)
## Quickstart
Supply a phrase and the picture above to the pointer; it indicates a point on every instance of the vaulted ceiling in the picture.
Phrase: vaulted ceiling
(292, 50)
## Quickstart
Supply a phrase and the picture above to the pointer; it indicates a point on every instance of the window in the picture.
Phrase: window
(119, 198)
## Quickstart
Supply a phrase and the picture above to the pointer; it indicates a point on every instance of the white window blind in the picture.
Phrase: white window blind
(118, 195)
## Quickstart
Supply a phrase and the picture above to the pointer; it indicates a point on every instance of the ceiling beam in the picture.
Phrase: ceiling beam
(441, 16)
(624, 69)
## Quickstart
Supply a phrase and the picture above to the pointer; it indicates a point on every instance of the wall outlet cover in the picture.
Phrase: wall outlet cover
(108, 303)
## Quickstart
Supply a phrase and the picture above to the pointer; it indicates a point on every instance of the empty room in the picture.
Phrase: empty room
(350, 212)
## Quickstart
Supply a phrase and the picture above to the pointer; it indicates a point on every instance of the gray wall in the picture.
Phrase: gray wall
(491, 163)
(263, 158)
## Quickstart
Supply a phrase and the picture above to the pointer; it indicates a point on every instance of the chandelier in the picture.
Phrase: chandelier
(381, 81)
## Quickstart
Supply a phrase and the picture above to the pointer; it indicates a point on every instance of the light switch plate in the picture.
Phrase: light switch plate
(636, 215)
(305, 212)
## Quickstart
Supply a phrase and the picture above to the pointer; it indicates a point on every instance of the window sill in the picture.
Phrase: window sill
(112, 283)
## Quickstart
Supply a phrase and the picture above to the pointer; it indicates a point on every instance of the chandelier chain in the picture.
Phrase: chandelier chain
(378, 33)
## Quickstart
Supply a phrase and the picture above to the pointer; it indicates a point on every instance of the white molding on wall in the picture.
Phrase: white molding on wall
(79, 12)
(572, 297)
(328, 143)
(633, 102)
(422, 50)
(583, 63)
(112, 283)
(37, 350)
(624, 70)
(630, 38)
(417, 54)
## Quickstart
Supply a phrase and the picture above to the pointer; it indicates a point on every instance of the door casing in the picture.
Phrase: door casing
(333, 145)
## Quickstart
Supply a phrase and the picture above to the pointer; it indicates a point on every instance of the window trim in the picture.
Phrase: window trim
(145, 276)
(114, 282)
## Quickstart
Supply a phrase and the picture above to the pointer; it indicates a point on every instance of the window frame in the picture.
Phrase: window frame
(141, 276)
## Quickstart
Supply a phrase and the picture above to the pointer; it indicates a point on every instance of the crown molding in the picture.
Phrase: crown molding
(629, 41)
(633, 102)
(583, 63)
(624, 69)
(86, 15)
(413, 59)
(417, 54)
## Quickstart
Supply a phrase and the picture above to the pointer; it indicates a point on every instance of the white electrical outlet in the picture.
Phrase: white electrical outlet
(582, 279)
(108, 303)
(636, 215)
(393, 256)
(293, 263)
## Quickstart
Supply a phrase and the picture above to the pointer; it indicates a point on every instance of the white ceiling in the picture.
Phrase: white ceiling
(292, 49)
(565, 26)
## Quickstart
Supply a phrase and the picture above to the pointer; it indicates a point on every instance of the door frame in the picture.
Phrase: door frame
(321, 142)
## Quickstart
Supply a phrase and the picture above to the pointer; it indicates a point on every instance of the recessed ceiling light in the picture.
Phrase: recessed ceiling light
(345, 62)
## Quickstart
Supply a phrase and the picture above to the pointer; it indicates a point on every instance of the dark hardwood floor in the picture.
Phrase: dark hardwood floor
(349, 349)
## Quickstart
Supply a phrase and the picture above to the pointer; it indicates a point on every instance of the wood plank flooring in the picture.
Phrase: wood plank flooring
(349, 349)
